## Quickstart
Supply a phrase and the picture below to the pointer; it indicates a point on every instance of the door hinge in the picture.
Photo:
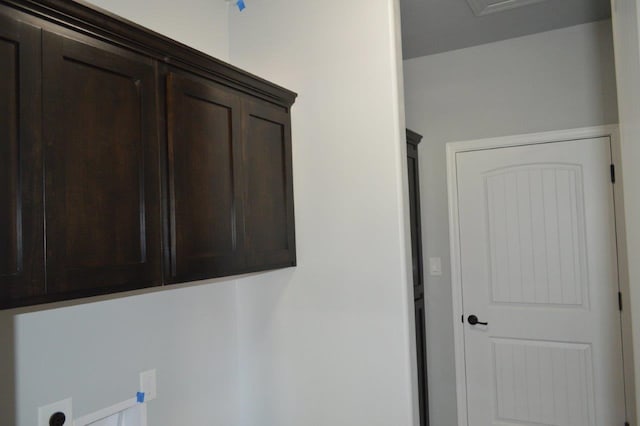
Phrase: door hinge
(620, 300)
(613, 173)
(462, 318)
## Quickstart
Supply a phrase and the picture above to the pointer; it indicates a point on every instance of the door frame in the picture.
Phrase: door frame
(454, 148)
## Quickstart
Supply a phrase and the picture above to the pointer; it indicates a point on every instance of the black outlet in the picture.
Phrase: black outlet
(57, 419)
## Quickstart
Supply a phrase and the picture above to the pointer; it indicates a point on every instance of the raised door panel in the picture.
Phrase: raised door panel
(21, 229)
(102, 181)
(268, 195)
(415, 220)
(415, 252)
(421, 355)
(203, 121)
(9, 158)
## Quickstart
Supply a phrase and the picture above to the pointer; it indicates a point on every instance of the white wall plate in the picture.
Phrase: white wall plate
(45, 412)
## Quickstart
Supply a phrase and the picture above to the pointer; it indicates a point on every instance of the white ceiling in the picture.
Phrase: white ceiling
(434, 26)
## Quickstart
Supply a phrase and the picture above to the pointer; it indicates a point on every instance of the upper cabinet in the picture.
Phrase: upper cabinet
(128, 160)
(230, 181)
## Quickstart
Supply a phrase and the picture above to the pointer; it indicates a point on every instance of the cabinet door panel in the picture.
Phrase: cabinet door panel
(203, 128)
(421, 349)
(10, 262)
(21, 230)
(414, 212)
(269, 223)
(102, 182)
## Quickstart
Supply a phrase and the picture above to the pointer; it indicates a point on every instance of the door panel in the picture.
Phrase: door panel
(10, 262)
(414, 213)
(204, 179)
(538, 250)
(421, 355)
(543, 382)
(102, 181)
(268, 194)
(537, 235)
(21, 230)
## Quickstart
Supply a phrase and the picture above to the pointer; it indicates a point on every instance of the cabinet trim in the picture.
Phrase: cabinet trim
(97, 22)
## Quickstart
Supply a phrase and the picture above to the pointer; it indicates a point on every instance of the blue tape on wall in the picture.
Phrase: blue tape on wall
(140, 397)
(241, 5)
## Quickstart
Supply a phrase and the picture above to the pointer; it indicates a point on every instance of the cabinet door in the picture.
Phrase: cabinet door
(414, 214)
(102, 184)
(21, 230)
(203, 124)
(268, 186)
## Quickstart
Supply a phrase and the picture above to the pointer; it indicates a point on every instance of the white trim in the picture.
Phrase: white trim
(623, 277)
(453, 148)
(456, 283)
(484, 7)
(625, 22)
(532, 138)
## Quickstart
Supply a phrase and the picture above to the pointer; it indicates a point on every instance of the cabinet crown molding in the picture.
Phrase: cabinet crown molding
(96, 22)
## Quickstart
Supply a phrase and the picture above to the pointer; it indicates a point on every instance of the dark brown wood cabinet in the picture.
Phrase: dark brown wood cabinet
(102, 189)
(21, 207)
(413, 139)
(128, 160)
(205, 178)
(269, 232)
(230, 181)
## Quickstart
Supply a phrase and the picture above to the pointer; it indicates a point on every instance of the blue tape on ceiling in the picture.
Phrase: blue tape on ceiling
(241, 5)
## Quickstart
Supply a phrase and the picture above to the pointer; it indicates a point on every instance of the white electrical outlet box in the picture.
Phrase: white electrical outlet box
(148, 384)
(65, 407)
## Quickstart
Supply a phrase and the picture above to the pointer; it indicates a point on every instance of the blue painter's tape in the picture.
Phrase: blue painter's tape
(140, 397)
(241, 5)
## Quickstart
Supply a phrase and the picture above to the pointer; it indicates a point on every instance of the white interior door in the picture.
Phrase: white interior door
(538, 264)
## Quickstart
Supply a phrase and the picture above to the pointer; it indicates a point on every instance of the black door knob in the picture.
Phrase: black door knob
(473, 320)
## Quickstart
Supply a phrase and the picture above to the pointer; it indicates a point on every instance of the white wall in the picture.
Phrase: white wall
(93, 352)
(555, 80)
(201, 24)
(327, 343)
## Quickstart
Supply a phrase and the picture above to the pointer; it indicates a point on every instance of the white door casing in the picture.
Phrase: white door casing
(625, 20)
(534, 255)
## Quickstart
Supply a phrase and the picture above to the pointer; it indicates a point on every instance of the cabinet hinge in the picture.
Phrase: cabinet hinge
(613, 173)
(620, 301)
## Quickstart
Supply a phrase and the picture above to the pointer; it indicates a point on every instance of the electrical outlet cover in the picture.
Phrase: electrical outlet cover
(435, 266)
(148, 384)
(45, 412)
